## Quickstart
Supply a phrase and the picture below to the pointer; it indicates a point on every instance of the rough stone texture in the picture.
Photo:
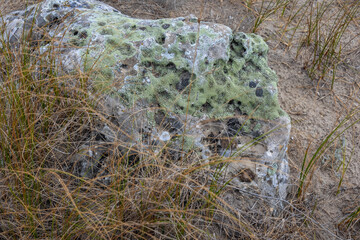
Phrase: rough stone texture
(192, 86)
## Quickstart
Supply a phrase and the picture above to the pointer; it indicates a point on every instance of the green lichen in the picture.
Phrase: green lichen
(272, 170)
(216, 87)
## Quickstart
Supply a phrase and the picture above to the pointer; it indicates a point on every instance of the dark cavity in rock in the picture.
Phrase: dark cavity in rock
(259, 92)
(252, 84)
(233, 126)
(165, 26)
(184, 80)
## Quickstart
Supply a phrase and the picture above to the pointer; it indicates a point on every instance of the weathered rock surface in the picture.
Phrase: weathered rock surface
(189, 85)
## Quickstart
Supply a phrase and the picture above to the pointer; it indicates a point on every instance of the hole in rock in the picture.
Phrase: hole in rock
(166, 26)
(125, 66)
(259, 92)
(184, 80)
(252, 84)
(233, 126)
(171, 66)
(161, 39)
(206, 107)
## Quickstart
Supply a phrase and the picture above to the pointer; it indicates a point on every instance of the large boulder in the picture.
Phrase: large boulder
(176, 85)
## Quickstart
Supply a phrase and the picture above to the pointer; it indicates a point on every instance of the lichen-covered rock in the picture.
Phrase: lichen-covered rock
(209, 90)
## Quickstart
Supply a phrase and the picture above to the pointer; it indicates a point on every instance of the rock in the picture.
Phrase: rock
(190, 85)
(88, 160)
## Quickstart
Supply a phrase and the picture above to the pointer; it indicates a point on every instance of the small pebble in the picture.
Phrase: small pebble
(165, 136)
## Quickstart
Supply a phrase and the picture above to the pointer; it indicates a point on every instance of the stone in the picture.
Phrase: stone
(190, 85)
(88, 160)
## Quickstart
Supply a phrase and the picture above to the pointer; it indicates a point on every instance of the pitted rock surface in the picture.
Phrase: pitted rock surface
(183, 83)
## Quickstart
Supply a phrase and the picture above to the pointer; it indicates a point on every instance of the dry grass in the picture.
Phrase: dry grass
(45, 117)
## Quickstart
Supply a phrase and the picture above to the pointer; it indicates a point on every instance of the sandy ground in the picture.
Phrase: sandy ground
(313, 108)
